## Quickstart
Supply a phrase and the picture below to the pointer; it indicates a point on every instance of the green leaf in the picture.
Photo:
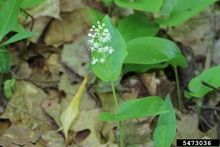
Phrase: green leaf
(197, 89)
(137, 108)
(5, 60)
(18, 28)
(183, 10)
(92, 15)
(142, 67)
(137, 25)
(168, 6)
(143, 5)
(8, 16)
(111, 69)
(19, 36)
(9, 86)
(30, 3)
(107, 2)
(153, 50)
(165, 131)
(2, 2)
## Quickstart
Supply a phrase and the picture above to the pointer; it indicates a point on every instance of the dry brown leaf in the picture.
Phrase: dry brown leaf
(149, 81)
(24, 105)
(70, 5)
(66, 30)
(164, 86)
(39, 26)
(53, 139)
(88, 120)
(65, 86)
(49, 73)
(49, 8)
(24, 71)
(76, 56)
(19, 135)
(53, 109)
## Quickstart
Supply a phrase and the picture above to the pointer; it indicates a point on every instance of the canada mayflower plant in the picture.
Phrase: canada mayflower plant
(108, 52)
(98, 41)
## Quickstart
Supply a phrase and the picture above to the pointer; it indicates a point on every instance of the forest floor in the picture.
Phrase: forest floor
(50, 68)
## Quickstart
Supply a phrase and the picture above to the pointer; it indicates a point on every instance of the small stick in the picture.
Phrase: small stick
(210, 86)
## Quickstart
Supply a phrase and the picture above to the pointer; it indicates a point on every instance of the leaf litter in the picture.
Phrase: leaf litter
(50, 75)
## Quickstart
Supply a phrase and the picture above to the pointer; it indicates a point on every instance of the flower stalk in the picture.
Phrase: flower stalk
(99, 39)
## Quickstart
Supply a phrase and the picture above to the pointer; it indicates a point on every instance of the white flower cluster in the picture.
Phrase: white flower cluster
(98, 41)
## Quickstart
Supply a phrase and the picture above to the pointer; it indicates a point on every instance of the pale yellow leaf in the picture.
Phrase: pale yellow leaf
(72, 110)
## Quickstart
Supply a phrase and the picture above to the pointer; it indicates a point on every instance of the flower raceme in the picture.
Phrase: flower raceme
(99, 37)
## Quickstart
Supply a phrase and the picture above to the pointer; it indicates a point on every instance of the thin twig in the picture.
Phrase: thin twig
(211, 107)
(12, 105)
(210, 86)
(32, 18)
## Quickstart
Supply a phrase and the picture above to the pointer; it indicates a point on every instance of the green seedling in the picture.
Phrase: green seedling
(198, 86)
(9, 87)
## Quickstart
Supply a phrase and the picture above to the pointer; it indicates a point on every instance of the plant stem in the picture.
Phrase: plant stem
(120, 122)
(199, 113)
(1, 78)
(178, 88)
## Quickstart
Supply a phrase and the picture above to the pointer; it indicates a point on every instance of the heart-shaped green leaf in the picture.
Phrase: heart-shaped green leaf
(197, 89)
(142, 67)
(168, 7)
(8, 16)
(183, 10)
(110, 70)
(143, 5)
(137, 108)
(153, 50)
(165, 131)
(137, 25)
(5, 60)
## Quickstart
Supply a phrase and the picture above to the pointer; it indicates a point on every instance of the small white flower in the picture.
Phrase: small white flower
(105, 30)
(91, 41)
(102, 60)
(110, 51)
(99, 37)
(94, 60)
(92, 49)
(100, 50)
(96, 45)
(105, 49)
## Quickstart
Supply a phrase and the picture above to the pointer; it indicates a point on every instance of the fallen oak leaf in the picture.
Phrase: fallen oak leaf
(72, 110)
